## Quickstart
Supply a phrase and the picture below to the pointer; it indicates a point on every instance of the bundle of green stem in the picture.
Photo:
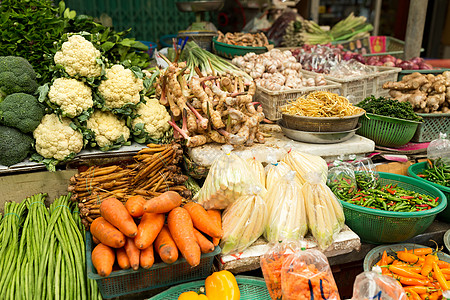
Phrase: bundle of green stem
(208, 63)
(350, 28)
(42, 252)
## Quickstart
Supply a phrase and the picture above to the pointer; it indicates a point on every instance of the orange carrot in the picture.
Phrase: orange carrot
(217, 216)
(135, 206)
(147, 258)
(182, 230)
(203, 221)
(163, 203)
(165, 246)
(205, 245)
(106, 233)
(115, 213)
(103, 259)
(148, 229)
(133, 253)
(122, 258)
(95, 240)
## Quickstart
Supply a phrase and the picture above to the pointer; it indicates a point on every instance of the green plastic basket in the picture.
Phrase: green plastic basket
(125, 282)
(379, 227)
(251, 288)
(418, 168)
(375, 254)
(230, 51)
(387, 131)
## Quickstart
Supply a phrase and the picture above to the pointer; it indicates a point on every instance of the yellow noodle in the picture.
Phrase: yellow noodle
(321, 104)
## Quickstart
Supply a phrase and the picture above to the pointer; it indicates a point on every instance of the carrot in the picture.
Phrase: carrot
(133, 253)
(421, 251)
(405, 272)
(428, 264)
(408, 257)
(103, 259)
(148, 229)
(206, 245)
(217, 216)
(122, 258)
(115, 213)
(95, 240)
(147, 258)
(165, 246)
(163, 203)
(135, 206)
(202, 220)
(182, 230)
(440, 277)
(107, 233)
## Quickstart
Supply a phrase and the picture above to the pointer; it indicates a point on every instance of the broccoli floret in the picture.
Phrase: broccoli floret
(21, 111)
(14, 147)
(16, 76)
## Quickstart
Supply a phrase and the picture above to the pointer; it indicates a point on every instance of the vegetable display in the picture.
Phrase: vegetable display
(427, 93)
(276, 70)
(243, 39)
(390, 108)
(436, 172)
(321, 104)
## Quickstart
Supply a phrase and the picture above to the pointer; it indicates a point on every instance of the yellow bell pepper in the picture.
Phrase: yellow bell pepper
(222, 286)
(192, 296)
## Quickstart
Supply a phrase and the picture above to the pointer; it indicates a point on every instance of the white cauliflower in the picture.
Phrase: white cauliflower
(78, 56)
(71, 95)
(107, 128)
(121, 87)
(56, 139)
(154, 116)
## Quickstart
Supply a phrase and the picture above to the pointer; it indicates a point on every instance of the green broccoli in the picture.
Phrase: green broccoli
(16, 76)
(21, 111)
(14, 147)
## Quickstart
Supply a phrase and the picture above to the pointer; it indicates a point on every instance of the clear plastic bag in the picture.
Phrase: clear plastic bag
(439, 148)
(323, 210)
(303, 163)
(371, 285)
(228, 178)
(243, 222)
(366, 174)
(271, 264)
(257, 168)
(307, 275)
(275, 171)
(341, 180)
(287, 212)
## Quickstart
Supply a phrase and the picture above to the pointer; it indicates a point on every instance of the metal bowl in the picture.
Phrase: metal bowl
(197, 6)
(321, 124)
(317, 137)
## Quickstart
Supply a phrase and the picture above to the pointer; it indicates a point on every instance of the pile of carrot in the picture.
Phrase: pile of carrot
(271, 265)
(134, 233)
(153, 171)
(420, 271)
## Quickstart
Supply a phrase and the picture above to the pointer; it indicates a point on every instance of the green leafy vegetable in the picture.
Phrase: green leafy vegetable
(389, 108)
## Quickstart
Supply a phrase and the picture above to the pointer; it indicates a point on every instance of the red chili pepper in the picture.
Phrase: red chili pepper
(422, 205)
(407, 197)
(357, 198)
(436, 199)
(421, 175)
(420, 197)
(347, 180)
(392, 192)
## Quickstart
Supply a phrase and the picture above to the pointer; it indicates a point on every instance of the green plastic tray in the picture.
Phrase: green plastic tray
(375, 254)
(415, 169)
(124, 282)
(230, 51)
(251, 288)
(387, 131)
(380, 227)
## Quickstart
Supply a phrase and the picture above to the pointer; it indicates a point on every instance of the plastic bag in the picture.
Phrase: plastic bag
(243, 222)
(323, 210)
(341, 180)
(366, 174)
(371, 285)
(287, 212)
(228, 178)
(307, 275)
(275, 171)
(440, 148)
(303, 163)
(257, 168)
(271, 264)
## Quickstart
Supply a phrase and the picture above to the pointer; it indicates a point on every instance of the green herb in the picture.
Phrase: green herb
(389, 108)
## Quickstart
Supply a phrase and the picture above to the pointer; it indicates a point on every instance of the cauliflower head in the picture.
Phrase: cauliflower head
(121, 87)
(56, 139)
(71, 95)
(154, 116)
(78, 56)
(107, 128)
